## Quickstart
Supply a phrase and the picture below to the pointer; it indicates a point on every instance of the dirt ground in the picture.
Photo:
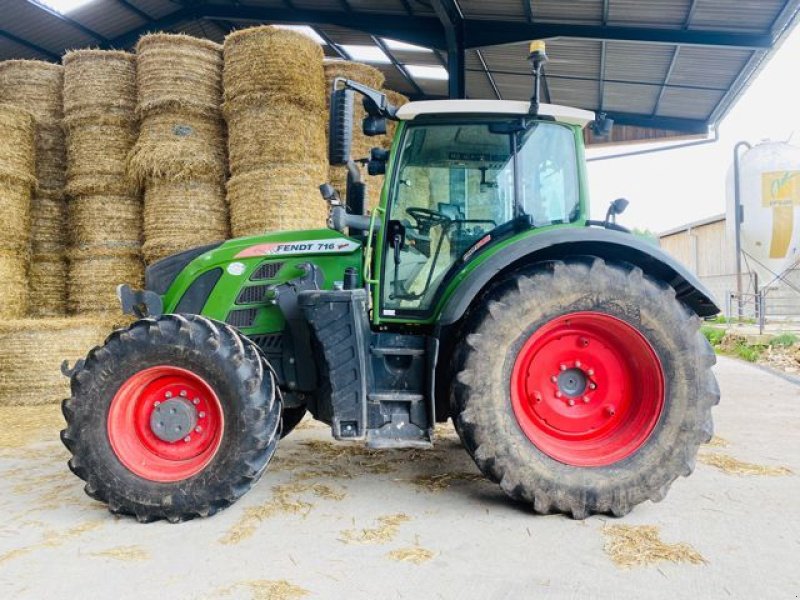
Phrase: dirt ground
(330, 520)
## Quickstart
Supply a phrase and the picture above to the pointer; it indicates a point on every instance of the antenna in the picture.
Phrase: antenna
(538, 57)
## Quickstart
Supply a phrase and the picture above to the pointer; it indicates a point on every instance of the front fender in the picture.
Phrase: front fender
(562, 243)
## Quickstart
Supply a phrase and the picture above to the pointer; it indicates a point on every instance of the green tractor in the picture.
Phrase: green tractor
(566, 351)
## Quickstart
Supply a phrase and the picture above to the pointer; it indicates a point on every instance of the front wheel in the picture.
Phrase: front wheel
(173, 418)
(584, 388)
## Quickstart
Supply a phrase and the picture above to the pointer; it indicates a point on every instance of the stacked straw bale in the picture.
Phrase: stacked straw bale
(37, 87)
(275, 110)
(105, 207)
(180, 155)
(337, 176)
(32, 350)
(17, 180)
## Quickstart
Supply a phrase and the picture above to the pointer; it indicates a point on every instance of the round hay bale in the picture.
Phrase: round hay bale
(32, 350)
(49, 230)
(283, 65)
(34, 85)
(14, 289)
(102, 220)
(178, 72)
(98, 156)
(179, 147)
(261, 134)
(95, 273)
(51, 157)
(47, 285)
(15, 208)
(99, 86)
(283, 198)
(17, 151)
(182, 215)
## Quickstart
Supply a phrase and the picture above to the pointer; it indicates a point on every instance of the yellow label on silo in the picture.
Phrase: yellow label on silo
(780, 190)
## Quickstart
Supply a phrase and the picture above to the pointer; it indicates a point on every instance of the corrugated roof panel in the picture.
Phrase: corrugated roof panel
(511, 10)
(107, 17)
(155, 8)
(743, 15)
(41, 28)
(708, 67)
(415, 58)
(341, 36)
(432, 87)
(395, 81)
(10, 49)
(201, 29)
(478, 86)
(637, 62)
(654, 13)
(319, 4)
(379, 6)
(689, 104)
(580, 94)
(630, 98)
(572, 57)
(587, 12)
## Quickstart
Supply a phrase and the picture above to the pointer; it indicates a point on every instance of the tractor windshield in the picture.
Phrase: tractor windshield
(455, 183)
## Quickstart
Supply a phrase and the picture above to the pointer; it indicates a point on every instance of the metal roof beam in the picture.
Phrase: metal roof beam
(29, 45)
(667, 77)
(490, 33)
(488, 75)
(452, 21)
(693, 126)
(527, 6)
(69, 21)
(333, 45)
(129, 39)
(397, 65)
(423, 31)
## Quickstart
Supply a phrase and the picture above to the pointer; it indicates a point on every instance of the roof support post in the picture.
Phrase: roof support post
(452, 21)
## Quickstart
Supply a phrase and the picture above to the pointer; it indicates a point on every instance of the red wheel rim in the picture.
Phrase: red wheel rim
(136, 423)
(587, 389)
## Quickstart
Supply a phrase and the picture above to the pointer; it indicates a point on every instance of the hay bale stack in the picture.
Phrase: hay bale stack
(181, 144)
(14, 288)
(337, 176)
(36, 86)
(274, 107)
(31, 353)
(105, 217)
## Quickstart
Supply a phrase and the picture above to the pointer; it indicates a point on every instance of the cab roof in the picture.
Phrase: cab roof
(562, 114)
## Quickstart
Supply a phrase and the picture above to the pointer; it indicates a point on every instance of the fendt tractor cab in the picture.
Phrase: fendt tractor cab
(567, 352)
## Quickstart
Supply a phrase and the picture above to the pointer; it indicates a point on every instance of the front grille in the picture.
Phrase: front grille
(268, 270)
(241, 318)
(252, 294)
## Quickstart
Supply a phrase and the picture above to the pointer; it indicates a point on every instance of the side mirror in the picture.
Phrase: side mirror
(617, 207)
(340, 138)
(374, 125)
(377, 161)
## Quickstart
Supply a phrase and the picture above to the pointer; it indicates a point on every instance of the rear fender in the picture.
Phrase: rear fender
(563, 243)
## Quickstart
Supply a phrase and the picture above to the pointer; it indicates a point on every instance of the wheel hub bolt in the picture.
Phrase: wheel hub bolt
(554, 379)
(592, 386)
(187, 439)
(196, 401)
(590, 372)
(168, 395)
(157, 403)
(578, 364)
(563, 367)
(610, 411)
(183, 394)
(198, 429)
(571, 402)
(558, 394)
(586, 399)
(201, 414)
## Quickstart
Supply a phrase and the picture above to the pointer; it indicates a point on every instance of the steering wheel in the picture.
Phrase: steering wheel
(426, 218)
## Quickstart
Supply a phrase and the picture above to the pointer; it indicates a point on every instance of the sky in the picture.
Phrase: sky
(671, 188)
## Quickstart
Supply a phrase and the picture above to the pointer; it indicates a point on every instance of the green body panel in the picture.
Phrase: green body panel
(268, 317)
(480, 257)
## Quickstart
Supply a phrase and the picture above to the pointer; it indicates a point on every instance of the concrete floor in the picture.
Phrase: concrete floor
(301, 531)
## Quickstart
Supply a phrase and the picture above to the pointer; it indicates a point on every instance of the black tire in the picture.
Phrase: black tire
(480, 395)
(290, 418)
(236, 371)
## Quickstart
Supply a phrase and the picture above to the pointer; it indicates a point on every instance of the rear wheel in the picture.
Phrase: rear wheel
(173, 418)
(584, 388)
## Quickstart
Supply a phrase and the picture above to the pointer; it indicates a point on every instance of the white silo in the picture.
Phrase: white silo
(769, 180)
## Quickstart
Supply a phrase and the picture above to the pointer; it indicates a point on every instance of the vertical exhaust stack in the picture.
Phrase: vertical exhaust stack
(538, 56)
